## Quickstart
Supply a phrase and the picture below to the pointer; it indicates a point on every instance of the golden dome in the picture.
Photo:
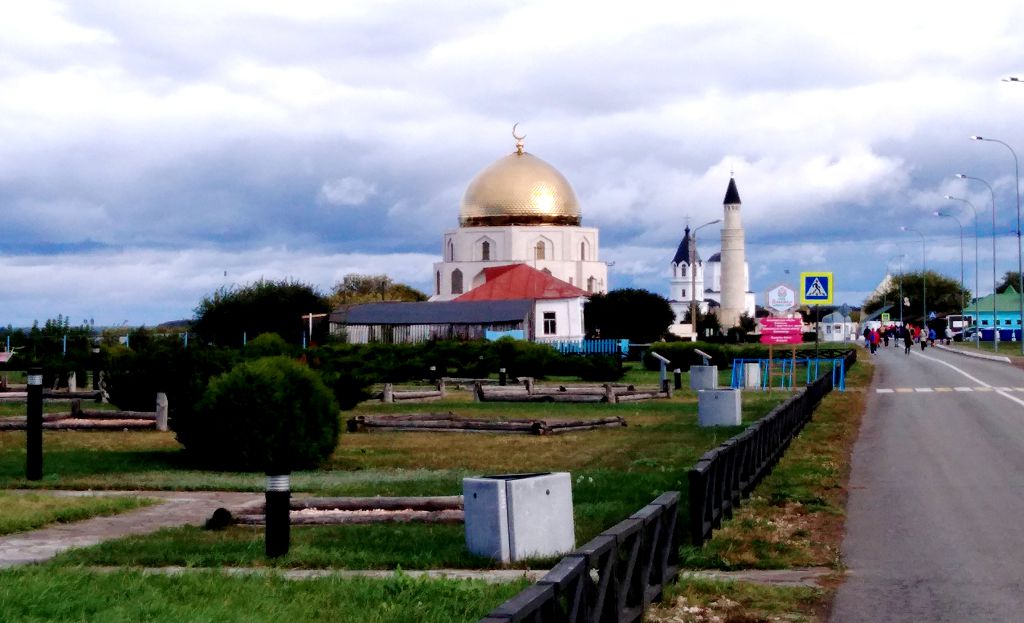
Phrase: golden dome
(519, 189)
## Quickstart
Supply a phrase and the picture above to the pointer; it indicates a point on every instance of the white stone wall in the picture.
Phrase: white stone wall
(570, 253)
(568, 318)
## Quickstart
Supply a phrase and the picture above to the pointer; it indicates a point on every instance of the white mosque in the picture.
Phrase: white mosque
(723, 281)
(519, 210)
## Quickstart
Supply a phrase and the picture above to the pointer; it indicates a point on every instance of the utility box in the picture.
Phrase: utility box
(703, 377)
(719, 407)
(752, 375)
(512, 517)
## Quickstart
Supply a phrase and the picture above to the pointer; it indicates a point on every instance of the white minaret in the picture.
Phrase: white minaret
(733, 261)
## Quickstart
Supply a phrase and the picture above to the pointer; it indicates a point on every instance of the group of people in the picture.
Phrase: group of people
(906, 335)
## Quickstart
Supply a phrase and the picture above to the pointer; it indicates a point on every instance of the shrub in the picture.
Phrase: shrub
(273, 414)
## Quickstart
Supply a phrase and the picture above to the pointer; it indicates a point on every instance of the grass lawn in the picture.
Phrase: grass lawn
(47, 593)
(28, 511)
(795, 518)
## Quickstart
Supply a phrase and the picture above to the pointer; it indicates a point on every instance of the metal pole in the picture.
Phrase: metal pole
(995, 322)
(693, 274)
(977, 282)
(278, 506)
(34, 425)
(940, 213)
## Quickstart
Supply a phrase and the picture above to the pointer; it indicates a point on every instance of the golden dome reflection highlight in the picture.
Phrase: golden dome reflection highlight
(519, 189)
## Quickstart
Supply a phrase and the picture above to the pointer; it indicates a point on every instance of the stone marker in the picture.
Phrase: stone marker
(719, 407)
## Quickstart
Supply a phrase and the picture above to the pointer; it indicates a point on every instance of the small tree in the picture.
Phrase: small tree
(271, 414)
(637, 315)
(261, 307)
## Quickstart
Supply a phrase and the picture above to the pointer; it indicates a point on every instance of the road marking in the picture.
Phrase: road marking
(923, 390)
(963, 389)
(943, 389)
(904, 390)
(1004, 389)
(883, 391)
(982, 389)
(976, 380)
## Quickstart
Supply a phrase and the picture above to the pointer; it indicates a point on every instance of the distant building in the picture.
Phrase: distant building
(1006, 313)
(519, 210)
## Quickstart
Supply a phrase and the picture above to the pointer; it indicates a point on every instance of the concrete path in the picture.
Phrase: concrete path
(178, 508)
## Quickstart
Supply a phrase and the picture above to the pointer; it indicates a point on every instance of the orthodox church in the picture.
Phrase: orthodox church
(723, 282)
(519, 210)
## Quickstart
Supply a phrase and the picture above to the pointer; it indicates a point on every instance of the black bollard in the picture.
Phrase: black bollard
(278, 505)
(34, 426)
(432, 374)
(677, 377)
(502, 377)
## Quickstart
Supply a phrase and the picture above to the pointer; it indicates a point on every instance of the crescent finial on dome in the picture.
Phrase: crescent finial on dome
(519, 139)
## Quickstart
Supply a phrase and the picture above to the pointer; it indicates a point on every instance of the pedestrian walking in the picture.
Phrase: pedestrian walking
(908, 340)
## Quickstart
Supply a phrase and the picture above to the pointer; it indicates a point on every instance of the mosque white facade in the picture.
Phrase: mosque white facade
(723, 281)
(519, 210)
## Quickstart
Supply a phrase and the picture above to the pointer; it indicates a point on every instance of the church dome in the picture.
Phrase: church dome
(519, 189)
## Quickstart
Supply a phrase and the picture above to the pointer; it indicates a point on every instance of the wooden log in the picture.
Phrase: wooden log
(579, 398)
(635, 397)
(433, 503)
(452, 424)
(75, 424)
(572, 429)
(570, 391)
(617, 420)
(395, 396)
(92, 414)
(410, 417)
(362, 517)
(68, 395)
(161, 411)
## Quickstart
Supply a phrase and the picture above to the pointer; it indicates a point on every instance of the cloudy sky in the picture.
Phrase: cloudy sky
(152, 152)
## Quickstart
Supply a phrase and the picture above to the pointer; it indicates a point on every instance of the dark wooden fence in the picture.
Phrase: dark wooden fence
(632, 561)
(726, 475)
(615, 576)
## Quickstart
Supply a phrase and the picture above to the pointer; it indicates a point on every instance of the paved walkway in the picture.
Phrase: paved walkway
(179, 508)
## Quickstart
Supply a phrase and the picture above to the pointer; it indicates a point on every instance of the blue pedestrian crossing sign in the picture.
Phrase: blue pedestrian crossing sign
(816, 288)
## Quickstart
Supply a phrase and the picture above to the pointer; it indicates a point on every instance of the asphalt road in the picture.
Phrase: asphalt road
(935, 526)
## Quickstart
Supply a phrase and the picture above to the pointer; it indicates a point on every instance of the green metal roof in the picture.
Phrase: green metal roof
(1007, 301)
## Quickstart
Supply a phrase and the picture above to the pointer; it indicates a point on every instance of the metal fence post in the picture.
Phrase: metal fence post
(34, 426)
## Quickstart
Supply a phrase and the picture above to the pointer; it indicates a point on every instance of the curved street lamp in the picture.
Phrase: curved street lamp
(942, 214)
(900, 258)
(1020, 261)
(924, 278)
(995, 333)
(977, 336)
(693, 273)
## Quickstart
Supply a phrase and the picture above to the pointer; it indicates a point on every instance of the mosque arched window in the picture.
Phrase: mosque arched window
(682, 270)
(451, 251)
(456, 281)
(437, 283)
(583, 251)
(485, 251)
(591, 282)
(538, 251)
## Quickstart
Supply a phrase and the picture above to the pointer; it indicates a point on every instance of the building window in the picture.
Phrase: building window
(538, 251)
(1006, 322)
(984, 322)
(591, 282)
(583, 251)
(682, 270)
(485, 251)
(437, 283)
(550, 327)
(451, 251)
(683, 295)
(456, 281)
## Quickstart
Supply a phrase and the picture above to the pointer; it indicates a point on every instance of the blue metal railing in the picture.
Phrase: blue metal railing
(786, 371)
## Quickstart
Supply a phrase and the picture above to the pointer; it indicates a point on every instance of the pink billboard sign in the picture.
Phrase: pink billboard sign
(782, 331)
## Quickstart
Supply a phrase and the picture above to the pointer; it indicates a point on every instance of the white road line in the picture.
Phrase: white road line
(999, 391)
(883, 391)
(923, 390)
(963, 389)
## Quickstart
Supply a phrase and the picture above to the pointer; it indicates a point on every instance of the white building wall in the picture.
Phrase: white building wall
(568, 318)
(570, 253)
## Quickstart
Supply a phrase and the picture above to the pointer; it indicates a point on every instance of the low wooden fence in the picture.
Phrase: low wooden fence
(96, 420)
(614, 577)
(530, 392)
(449, 422)
(726, 475)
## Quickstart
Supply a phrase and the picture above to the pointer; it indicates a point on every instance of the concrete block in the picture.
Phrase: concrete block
(518, 516)
(752, 376)
(703, 377)
(719, 407)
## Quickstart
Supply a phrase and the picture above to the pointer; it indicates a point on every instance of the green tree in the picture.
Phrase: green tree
(356, 288)
(1011, 278)
(261, 307)
(637, 315)
(945, 296)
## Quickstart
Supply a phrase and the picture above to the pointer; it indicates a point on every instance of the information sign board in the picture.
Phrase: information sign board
(781, 331)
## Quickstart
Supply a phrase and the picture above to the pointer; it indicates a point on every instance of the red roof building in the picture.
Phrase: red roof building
(520, 281)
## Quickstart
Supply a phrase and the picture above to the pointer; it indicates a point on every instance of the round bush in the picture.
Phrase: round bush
(272, 414)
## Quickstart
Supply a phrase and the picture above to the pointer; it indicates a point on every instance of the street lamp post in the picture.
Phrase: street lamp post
(924, 280)
(995, 332)
(693, 273)
(940, 213)
(1020, 261)
(900, 258)
(977, 334)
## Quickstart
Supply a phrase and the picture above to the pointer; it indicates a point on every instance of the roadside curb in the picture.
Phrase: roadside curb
(975, 355)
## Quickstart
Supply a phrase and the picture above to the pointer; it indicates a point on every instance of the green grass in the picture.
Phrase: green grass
(8, 409)
(27, 511)
(35, 594)
(736, 602)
